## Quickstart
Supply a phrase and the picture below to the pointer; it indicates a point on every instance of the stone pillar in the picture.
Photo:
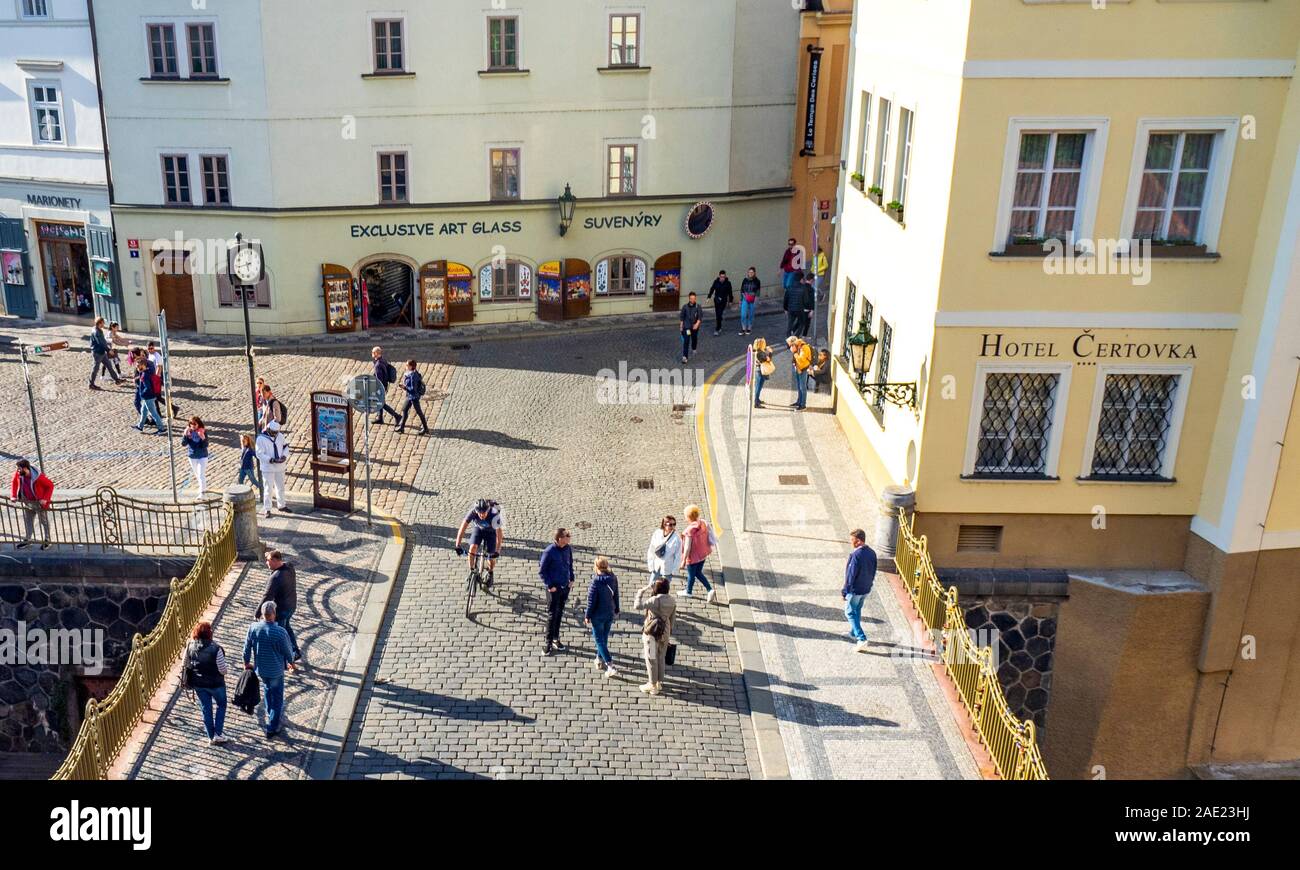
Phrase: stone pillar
(886, 545)
(243, 502)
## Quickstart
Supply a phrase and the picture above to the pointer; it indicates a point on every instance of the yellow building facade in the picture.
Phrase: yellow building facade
(1072, 231)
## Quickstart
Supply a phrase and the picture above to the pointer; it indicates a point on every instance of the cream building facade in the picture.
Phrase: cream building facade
(422, 148)
(55, 225)
(1087, 280)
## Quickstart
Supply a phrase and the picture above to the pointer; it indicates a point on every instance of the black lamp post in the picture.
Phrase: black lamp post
(568, 203)
(862, 350)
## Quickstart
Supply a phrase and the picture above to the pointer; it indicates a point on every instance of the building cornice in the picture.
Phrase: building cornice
(1143, 68)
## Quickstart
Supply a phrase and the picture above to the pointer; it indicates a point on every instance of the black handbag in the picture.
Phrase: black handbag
(670, 657)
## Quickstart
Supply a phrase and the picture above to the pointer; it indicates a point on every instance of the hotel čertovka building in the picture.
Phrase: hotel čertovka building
(1067, 256)
(461, 162)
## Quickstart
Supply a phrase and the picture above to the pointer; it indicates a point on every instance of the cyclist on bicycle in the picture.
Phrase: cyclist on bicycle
(485, 520)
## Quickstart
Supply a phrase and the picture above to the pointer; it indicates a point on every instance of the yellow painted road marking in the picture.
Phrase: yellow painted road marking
(710, 486)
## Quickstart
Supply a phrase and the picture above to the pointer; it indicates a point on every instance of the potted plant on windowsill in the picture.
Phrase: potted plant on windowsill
(857, 180)
(1025, 246)
(1175, 248)
(895, 210)
(876, 194)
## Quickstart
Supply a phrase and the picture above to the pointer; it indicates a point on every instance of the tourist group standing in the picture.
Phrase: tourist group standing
(668, 552)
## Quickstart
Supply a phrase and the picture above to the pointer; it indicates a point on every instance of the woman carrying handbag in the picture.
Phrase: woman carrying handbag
(664, 555)
(698, 542)
(656, 634)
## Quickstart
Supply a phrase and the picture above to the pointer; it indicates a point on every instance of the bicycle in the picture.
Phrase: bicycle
(477, 577)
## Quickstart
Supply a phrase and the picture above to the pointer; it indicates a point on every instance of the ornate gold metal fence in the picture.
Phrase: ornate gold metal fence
(108, 520)
(1010, 742)
(108, 723)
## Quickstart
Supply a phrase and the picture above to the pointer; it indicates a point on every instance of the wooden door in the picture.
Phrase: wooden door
(668, 282)
(16, 270)
(176, 291)
(577, 289)
(550, 291)
(336, 288)
(433, 295)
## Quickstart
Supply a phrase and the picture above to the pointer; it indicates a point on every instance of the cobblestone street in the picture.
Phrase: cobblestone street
(88, 439)
(455, 698)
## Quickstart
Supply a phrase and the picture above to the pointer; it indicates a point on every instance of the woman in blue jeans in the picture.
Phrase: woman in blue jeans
(602, 607)
(205, 673)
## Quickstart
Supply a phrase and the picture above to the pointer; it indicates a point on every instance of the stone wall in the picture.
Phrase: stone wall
(118, 595)
(1019, 608)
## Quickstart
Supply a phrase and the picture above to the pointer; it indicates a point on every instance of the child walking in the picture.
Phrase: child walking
(247, 459)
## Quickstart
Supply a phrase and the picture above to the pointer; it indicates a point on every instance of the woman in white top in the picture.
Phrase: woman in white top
(664, 564)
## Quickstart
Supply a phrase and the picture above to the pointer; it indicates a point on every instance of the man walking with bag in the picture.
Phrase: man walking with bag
(556, 572)
(386, 374)
(267, 653)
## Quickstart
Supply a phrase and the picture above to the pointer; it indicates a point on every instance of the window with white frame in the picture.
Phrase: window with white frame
(1049, 171)
(216, 179)
(850, 327)
(883, 115)
(621, 170)
(621, 274)
(1018, 415)
(1137, 423)
(163, 61)
(503, 42)
(202, 39)
(624, 40)
(392, 176)
(1175, 180)
(505, 280)
(504, 170)
(35, 8)
(864, 135)
(47, 114)
(906, 119)
(390, 52)
(176, 179)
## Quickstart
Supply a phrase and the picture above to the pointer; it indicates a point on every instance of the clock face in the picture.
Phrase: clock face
(248, 265)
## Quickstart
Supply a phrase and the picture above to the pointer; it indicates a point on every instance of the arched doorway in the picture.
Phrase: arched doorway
(390, 298)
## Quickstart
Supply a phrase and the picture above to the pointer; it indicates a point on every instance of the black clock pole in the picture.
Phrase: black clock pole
(252, 375)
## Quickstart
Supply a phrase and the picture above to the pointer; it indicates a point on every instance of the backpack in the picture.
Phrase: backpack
(247, 693)
(390, 373)
(419, 388)
(654, 627)
(281, 413)
(157, 383)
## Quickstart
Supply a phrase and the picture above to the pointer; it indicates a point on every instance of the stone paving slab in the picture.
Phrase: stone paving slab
(841, 714)
(338, 567)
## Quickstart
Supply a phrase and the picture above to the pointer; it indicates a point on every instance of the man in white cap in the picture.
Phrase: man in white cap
(272, 451)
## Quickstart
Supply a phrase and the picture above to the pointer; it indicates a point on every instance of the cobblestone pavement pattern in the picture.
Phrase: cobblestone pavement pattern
(88, 439)
(336, 565)
(449, 697)
(842, 714)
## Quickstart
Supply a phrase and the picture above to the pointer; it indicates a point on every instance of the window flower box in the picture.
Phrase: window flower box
(857, 180)
(895, 210)
(876, 195)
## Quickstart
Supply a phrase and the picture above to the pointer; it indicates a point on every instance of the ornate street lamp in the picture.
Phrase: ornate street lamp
(567, 202)
(862, 350)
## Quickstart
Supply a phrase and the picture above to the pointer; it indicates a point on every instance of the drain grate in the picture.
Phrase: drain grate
(792, 479)
(681, 407)
(645, 483)
(637, 420)
(582, 524)
(460, 347)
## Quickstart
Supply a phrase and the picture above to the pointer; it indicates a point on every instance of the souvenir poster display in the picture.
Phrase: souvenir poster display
(602, 277)
(460, 293)
(550, 291)
(331, 451)
(13, 268)
(577, 288)
(668, 282)
(332, 431)
(102, 278)
(433, 296)
(336, 282)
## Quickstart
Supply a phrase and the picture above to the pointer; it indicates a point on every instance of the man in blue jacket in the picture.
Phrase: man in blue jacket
(556, 571)
(859, 574)
(267, 652)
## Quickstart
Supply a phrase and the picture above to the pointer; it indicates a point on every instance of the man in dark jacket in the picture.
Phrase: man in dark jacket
(100, 349)
(413, 387)
(282, 588)
(792, 305)
(721, 294)
(692, 317)
(859, 574)
(556, 571)
(386, 374)
(807, 302)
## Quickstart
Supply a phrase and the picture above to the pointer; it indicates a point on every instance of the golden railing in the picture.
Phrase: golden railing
(1010, 742)
(108, 520)
(108, 723)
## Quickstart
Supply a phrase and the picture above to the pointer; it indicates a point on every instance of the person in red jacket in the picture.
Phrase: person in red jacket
(33, 491)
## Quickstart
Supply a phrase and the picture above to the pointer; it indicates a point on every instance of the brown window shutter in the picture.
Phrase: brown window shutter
(225, 292)
(262, 293)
